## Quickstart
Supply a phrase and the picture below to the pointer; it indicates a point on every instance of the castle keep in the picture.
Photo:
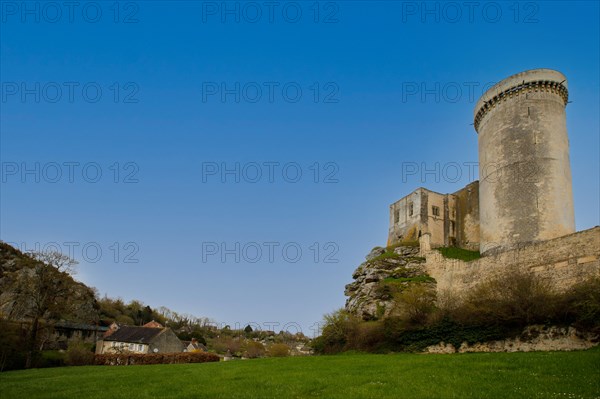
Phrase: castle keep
(519, 216)
(524, 194)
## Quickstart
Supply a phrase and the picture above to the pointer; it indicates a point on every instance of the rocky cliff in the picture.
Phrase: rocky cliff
(386, 273)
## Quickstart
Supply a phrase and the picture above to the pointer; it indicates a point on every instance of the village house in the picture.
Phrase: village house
(194, 346)
(149, 338)
(65, 332)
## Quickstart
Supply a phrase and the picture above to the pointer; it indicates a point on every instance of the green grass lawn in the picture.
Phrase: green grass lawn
(483, 375)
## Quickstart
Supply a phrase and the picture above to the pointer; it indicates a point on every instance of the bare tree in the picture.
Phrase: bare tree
(42, 290)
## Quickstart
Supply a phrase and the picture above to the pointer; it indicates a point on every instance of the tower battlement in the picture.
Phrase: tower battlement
(536, 80)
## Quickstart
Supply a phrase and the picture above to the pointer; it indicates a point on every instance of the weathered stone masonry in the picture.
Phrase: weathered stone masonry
(564, 261)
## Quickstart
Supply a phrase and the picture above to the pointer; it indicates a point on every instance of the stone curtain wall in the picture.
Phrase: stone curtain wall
(565, 260)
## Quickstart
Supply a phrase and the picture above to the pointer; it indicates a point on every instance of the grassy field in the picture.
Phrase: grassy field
(561, 375)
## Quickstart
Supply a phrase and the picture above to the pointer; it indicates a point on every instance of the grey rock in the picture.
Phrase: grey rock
(375, 252)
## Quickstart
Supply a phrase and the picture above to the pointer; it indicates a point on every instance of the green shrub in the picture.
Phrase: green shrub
(226, 344)
(580, 305)
(336, 329)
(365, 336)
(278, 350)
(79, 354)
(514, 298)
(253, 349)
(416, 304)
(401, 338)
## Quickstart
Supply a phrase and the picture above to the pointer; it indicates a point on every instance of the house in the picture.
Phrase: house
(149, 338)
(65, 332)
(194, 346)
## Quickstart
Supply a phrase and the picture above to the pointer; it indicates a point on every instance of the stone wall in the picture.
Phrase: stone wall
(565, 260)
(467, 217)
(405, 218)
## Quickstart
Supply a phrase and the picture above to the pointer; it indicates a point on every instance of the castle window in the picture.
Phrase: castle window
(435, 210)
(410, 209)
(396, 216)
(452, 227)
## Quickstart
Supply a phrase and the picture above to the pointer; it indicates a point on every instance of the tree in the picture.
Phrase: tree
(12, 345)
(416, 303)
(337, 327)
(44, 290)
(254, 349)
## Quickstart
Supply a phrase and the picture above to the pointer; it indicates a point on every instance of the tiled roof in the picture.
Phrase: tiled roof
(139, 335)
(153, 324)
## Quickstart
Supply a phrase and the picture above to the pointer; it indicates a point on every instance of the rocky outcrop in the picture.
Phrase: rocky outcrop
(533, 338)
(385, 273)
(392, 280)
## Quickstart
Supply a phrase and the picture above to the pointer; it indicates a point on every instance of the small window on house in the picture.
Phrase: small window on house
(396, 216)
(410, 209)
(131, 347)
(435, 210)
(140, 348)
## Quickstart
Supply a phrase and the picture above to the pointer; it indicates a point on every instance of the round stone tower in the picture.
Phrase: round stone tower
(525, 189)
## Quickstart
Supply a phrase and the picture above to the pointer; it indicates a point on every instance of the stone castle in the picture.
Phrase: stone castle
(525, 194)
(518, 216)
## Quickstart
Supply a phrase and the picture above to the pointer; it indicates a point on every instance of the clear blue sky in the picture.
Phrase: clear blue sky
(394, 85)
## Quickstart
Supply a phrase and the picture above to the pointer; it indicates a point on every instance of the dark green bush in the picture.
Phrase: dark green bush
(580, 305)
(12, 345)
(401, 339)
(79, 354)
(52, 359)
(336, 329)
(514, 299)
(365, 336)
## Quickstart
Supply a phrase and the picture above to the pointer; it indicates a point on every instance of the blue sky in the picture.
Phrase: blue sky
(125, 116)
